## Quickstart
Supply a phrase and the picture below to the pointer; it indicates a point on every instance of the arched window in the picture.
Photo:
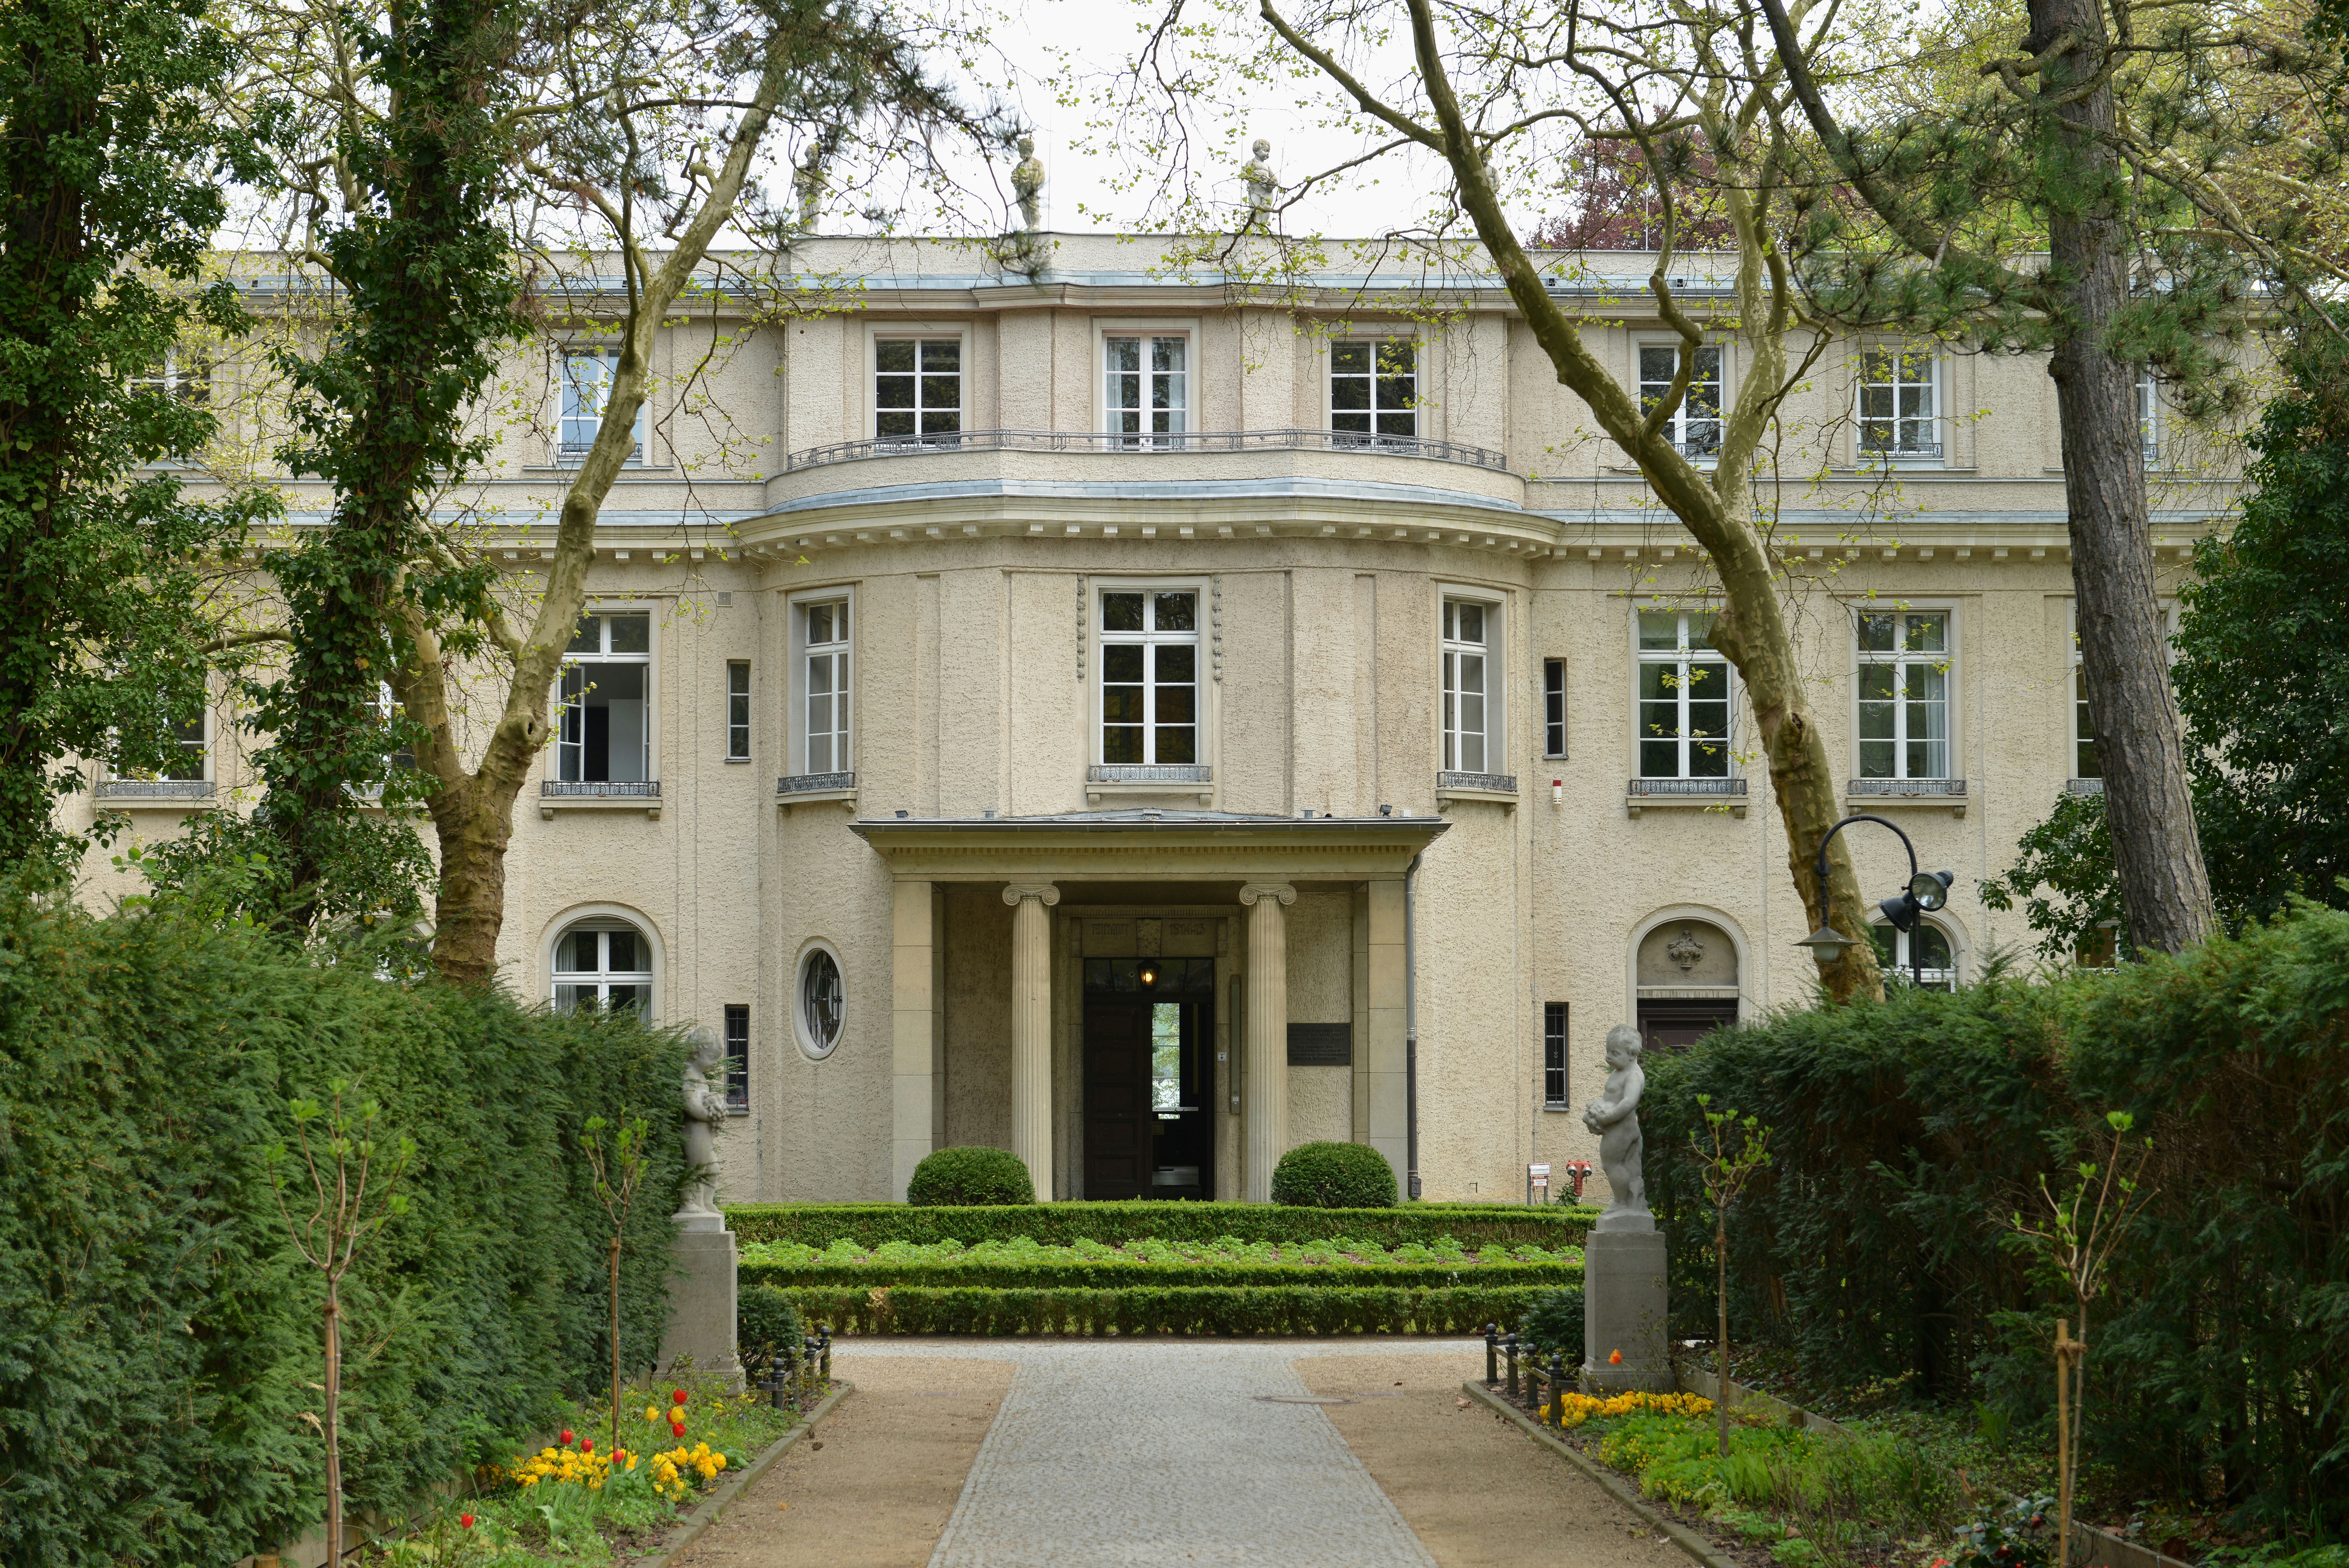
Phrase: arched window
(1937, 964)
(606, 963)
(822, 1001)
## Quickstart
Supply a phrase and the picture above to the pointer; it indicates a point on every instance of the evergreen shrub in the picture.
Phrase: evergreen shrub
(1167, 1309)
(159, 1338)
(765, 1318)
(1909, 1133)
(1120, 1276)
(1334, 1176)
(969, 1178)
(1477, 1226)
(1555, 1323)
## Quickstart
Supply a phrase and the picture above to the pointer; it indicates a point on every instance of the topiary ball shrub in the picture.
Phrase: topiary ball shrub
(764, 1320)
(1555, 1323)
(1334, 1176)
(966, 1178)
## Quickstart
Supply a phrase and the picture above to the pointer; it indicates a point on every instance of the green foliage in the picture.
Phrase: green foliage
(1911, 1130)
(114, 169)
(996, 1276)
(2064, 879)
(158, 1336)
(1117, 1223)
(764, 1317)
(1164, 1309)
(1555, 1323)
(970, 1177)
(1329, 1253)
(1334, 1176)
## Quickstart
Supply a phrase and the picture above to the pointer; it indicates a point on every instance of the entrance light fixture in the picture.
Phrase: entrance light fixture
(1827, 945)
(1926, 892)
(1149, 976)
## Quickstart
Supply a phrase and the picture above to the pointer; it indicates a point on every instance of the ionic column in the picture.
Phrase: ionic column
(1031, 1029)
(1266, 1114)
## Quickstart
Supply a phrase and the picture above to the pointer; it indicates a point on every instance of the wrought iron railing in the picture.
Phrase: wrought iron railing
(809, 783)
(1498, 783)
(1111, 441)
(1907, 787)
(600, 789)
(1686, 786)
(2084, 786)
(1150, 773)
(155, 789)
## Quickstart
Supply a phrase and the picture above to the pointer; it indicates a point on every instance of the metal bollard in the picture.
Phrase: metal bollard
(1492, 1354)
(1558, 1390)
(1509, 1344)
(823, 1337)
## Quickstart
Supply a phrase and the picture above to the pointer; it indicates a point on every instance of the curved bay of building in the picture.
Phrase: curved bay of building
(1150, 794)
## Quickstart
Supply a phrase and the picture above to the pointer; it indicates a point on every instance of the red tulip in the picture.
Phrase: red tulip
(678, 1427)
(588, 1447)
(567, 1437)
(679, 1396)
(465, 1520)
(1614, 1358)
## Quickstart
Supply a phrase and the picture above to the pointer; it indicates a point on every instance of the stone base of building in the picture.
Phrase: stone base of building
(701, 1308)
(1624, 1305)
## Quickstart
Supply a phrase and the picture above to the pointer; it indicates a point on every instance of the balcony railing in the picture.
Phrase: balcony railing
(1109, 442)
(811, 783)
(1149, 773)
(2084, 786)
(1491, 783)
(1686, 786)
(154, 789)
(1914, 451)
(600, 789)
(1907, 787)
(571, 454)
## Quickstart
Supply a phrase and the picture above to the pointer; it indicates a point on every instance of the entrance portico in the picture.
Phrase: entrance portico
(1227, 887)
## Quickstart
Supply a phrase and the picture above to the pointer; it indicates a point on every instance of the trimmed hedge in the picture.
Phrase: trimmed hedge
(1334, 1176)
(159, 1340)
(1133, 1276)
(1059, 1224)
(1138, 1310)
(970, 1177)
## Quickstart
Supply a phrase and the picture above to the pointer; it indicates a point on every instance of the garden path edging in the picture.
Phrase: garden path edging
(686, 1531)
(1671, 1530)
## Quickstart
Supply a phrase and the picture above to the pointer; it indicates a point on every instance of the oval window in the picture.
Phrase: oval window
(820, 1002)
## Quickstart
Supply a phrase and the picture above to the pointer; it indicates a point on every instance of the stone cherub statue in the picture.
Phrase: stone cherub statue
(1028, 185)
(1614, 1116)
(705, 1111)
(808, 182)
(1263, 186)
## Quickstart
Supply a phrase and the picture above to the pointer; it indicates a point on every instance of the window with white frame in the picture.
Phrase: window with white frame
(605, 736)
(820, 1002)
(1900, 403)
(586, 375)
(1936, 966)
(2148, 414)
(738, 711)
(1374, 388)
(1470, 741)
(192, 754)
(185, 377)
(1695, 427)
(1149, 676)
(738, 1058)
(1683, 697)
(917, 386)
(2084, 724)
(1553, 707)
(604, 965)
(1146, 391)
(825, 693)
(1904, 694)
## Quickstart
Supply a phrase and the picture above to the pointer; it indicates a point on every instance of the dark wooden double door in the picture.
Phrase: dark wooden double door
(1149, 1083)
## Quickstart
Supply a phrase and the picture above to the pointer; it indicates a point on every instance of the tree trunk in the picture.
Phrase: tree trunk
(1721, 1345)
(332, 1433)
(2165, 888)
(614, 1451)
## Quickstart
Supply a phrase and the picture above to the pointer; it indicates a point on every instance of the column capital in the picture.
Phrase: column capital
(1044, 892)
(1251, 891)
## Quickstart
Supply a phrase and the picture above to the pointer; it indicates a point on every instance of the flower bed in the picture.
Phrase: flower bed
(1318, 1309)
(1472, 1225)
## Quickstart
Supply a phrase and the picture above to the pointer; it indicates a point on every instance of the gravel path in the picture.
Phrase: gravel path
(1166, 1452)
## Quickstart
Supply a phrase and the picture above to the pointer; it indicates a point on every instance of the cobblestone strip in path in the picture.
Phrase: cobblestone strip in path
(1166, 1452)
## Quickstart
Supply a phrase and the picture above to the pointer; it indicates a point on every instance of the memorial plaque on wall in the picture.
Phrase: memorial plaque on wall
(1320, 1045)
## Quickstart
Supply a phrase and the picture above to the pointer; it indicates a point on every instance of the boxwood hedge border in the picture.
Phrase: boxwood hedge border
(1057, 1277)
(1472, 1225)
(1318, 1310)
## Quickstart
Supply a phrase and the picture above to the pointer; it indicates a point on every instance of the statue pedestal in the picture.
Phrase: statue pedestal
(1623, 1308)
(701, 1301)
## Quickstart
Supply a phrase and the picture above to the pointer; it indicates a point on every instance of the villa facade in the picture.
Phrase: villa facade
(1144, 722)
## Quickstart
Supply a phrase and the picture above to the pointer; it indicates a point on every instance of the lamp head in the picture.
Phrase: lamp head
(1149, 975)
(1827, 945)
(1931, 889)
(1901, 914)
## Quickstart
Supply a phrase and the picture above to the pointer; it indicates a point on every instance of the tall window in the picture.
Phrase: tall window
(586, 391)
(1147, 393)
(1149, 676)
(2084, 724)
(827, 691)
(737, 1057)
(1553, 1086)
(1695, 426)
(1899, 414)
(1468, 718)
(1553, 707)
(1904, 695)
(606, 726)
(1683, 697)
(1374, 388)
(917, 386)
(738, 712)
(602, 964)
(2148, 414)
(1937, 969)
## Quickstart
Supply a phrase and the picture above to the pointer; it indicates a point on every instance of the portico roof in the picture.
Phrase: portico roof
(1158, 845)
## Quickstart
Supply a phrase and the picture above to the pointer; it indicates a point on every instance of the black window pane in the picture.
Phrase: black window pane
(1403, 424)
(894, 354)
(1122, 705)
(941, 421)
(1121, 612)
(1176, 612)
(589, 639)
(1121, 661)
(1122, 743)
(892, 424)
(1175, 707)
(892, 392)
(1659, 759)
(1178, 664)
(1349, 358)
(1177, 743)
(941, 391)
(624, 952)
(1393, 392)
(1396, 358)
(942, 354)
(1358, 423)
(1348, 393)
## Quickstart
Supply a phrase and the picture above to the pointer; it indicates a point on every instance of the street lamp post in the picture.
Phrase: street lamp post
(1926, 892)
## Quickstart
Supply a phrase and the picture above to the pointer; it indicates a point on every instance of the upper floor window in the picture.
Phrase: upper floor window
(190, 761)
(605, 964)
(1695, 427)
(1147, 388)
(586, 392)
(183, 377)
(738, 712)
(2148, 414)
(1468, 737)
(1900, 409)
(1553, 707)
(826, 691)
(1374, 388)
(605, 733)
(917, 386)
(1149, 676)
(1904, 694)
(1683, 697)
